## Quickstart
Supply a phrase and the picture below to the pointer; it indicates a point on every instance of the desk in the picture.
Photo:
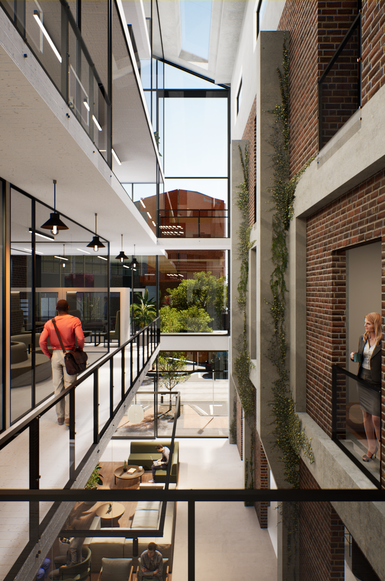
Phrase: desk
(120, 474)
(110, 513)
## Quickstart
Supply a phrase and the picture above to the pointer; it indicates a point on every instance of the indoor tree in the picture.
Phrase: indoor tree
(144, 311)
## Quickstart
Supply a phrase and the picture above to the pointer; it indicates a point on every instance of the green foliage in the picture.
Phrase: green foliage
(172, 367)
(95, 479)
(242, 363)
(192, 320)
(205, 291)
(290, 438)
(144, 311)
(195, 305)
(170, 320)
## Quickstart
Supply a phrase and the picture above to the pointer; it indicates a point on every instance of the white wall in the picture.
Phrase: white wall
(245, 67)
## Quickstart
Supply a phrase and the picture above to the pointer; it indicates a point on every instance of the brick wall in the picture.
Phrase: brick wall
(321, 537)
(249, 134)
(316, 29)
(373, 48)
(300, 19)
(261, 479)
(239, 426)
(355, 218)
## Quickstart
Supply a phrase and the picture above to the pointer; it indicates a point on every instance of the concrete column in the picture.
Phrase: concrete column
(269, 58)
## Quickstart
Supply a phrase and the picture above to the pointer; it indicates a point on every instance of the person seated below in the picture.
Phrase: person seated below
(151, 564)
(162, 463)
(73, 555)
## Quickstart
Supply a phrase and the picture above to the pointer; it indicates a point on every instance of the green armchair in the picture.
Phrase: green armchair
(80, 571)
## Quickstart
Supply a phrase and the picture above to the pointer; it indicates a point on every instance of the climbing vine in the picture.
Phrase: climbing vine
(290, 437)
(242, 364)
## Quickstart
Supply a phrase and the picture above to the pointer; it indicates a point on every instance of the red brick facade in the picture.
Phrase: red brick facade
(300, 20)
(355, 218)
(261, 479)
(316, 29)
(321, 537)
(239, 421)
(373, 48)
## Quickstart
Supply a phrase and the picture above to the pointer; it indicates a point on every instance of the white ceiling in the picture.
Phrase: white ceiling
(226, 24)
(41, 140)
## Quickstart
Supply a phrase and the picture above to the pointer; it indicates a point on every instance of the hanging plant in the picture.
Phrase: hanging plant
(290, 437)
(242, 363)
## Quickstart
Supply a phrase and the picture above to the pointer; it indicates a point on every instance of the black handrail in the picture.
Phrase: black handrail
(336, 371)
(356, 25)
(15, 430)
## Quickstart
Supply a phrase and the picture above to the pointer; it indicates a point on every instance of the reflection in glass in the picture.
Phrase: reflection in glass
(23, 342)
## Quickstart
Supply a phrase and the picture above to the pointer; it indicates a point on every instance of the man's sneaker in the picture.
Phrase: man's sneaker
(60, 421)
(67, 422)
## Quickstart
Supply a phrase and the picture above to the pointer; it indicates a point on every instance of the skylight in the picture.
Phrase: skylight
(195, 30)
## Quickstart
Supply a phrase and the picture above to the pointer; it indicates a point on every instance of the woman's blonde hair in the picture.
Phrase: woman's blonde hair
(376, 320)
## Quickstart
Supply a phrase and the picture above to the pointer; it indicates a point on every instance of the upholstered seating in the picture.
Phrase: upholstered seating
(143, 453)
(116, 570)
(21, 364)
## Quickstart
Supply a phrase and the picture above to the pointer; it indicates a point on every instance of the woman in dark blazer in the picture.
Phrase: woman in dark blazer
(369, 356)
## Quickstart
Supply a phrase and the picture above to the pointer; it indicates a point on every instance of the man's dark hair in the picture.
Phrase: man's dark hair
(62, 305)
(160, 448)
(151, 546)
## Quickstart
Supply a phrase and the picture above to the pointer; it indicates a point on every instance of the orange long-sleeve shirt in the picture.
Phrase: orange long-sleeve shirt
(69, 327)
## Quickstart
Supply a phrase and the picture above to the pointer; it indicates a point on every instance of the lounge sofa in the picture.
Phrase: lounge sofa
(144, 452)
(147, 514)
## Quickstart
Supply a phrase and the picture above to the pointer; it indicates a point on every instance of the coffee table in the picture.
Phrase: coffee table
(111, 512)
(120, 474)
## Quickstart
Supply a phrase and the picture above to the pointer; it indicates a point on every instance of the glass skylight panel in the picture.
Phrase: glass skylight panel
(195, 29)
(177, 79)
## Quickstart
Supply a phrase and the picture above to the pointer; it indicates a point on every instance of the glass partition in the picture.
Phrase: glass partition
(45, 268)
(24, 355)
(348, 423)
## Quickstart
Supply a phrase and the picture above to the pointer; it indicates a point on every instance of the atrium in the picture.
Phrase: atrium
(203, 181)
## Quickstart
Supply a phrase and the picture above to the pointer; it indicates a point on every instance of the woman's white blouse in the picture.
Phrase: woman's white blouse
(368, 352)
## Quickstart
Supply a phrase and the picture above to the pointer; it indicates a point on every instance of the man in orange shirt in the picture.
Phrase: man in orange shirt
(70, 329)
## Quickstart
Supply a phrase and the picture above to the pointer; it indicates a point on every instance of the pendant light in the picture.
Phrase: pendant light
(134, 263)
(121, 256)
(95, 242)
(54, 223)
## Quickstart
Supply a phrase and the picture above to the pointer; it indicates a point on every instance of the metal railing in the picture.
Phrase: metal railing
(192, 497)
(149, 339)
(193, 223)
(339, 87)
(347, 424)
(28, 440)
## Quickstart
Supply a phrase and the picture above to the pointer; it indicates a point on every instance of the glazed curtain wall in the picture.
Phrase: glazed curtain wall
(193, 288)
(190, 121)
(43, 269)
(200, 378)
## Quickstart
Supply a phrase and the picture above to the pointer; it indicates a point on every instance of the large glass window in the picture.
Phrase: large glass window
(193, 291)
(201, 379)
